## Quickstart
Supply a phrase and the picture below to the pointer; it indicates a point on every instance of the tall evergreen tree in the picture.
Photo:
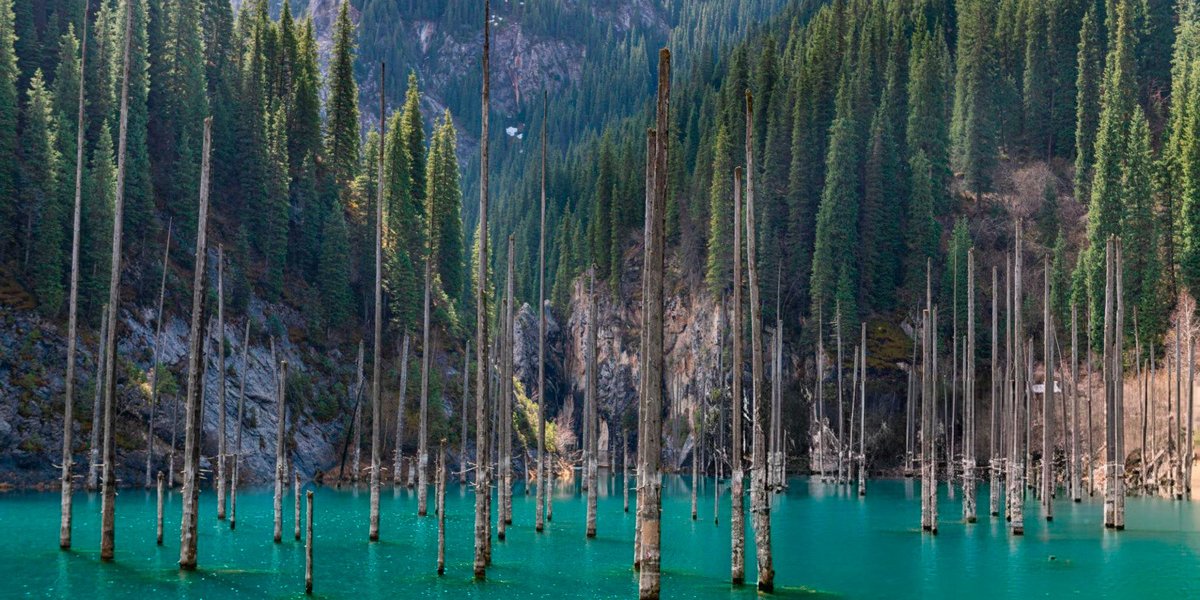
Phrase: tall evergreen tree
(928, 77)
(1087, 102)
(342, 135)
(444, 199)
(720, 229)
(9, 103)
(334, 270)
(976, 79)
(40, 197)
(835, 250)
(923, 232)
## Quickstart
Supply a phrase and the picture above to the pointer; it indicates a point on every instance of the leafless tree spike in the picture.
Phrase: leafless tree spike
(593, 399)
(220, 381)
(736, 496)
(195, 384)
(237, 452)
(109, 486)
(541, 389)
(65, 481)
(377, 361)
(482, 524)
(398, 452)
(280, 458)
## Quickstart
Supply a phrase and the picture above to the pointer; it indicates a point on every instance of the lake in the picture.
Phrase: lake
(827, 542)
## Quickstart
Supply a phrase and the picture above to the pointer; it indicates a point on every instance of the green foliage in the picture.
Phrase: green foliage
(342, 137)
(40, 196)
(333, 272)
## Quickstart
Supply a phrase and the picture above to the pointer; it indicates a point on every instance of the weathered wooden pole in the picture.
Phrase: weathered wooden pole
(195, 384)
(760, 508)
(737, 476)
(852, 460)
(933, 404)
(237, 453)
(909, 401)
(592, 375)
(1075, 464)
(482, 525)
(841, 439)
(650, 505)
(423, 419)
(280, 459)
(1191, 409)
(441, 507)
(926, 404)
(503, 411)
(109, 481)
(651, 150)
(507, 415)
(377, 360)
(93, 477)
(625, 471)
(220, 382)
(462, 457)
(308, 543)
(1177, 432)
(541, 390)
(820, 385)
(954, 367)
(65, 481)
(398, 451)
(162, 290)
(158, 530)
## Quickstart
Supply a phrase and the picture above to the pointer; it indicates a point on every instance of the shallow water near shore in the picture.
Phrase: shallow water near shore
(827, 542)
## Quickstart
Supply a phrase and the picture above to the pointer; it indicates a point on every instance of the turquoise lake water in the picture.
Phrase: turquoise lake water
(827, 542)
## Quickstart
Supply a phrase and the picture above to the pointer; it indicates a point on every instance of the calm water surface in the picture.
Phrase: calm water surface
(827, 543)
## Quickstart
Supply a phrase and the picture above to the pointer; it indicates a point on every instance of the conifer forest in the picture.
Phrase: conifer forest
(470, 298)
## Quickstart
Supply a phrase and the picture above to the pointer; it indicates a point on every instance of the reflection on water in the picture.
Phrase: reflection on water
(827, 541)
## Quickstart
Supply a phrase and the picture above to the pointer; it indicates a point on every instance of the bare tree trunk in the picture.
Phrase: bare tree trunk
(1119, 390)
(862, 416)
(308, 543)
(158, 529)
(1076, 491)
(280, 460)
(423, 432)
(969, 397)
(841, 439)
(736, 511)
(954, 366)
(1110, 429)
(994, 432)
(482, 524)
(1017, 471)
(195, 384)
(356, 433)
(398, 461)
(625, 471)
(296, 496)
(156, 354)
(1191, 409)
(541, 390)
(506, 417)
(1047, 400)
(462, 457)
(593, 398)
(377, 361)
(651, 151)
(109, 481)
(760, 507)
(65, 482)
(820, 385)
(649, 512)
(1177, 432)
(221, 381)
(237, 454)
(98, 406)
(441, 507)
(1091, 453)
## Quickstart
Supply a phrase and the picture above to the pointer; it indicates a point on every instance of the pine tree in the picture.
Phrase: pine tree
(96, 238)
(41, 198)
(928, 76)
(334, 269)
(720, 229)
(342, 136)
(1107, 206)
(1087, 101)
(412, 130)
(972, 126)
(1143, 271)
(139, 193)
(273, 234)
(882, 214)
(444, 198)
(835, 251)
(304, 115)
(600, 224)
(9, 212)
(923, 233)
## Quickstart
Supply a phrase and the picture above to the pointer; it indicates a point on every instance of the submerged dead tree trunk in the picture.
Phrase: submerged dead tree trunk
(64, 529)
(195, 383)
(237, 448)
(162, 291)
(639, 475)
(308, 543)
(1016, 475)
(109, 490)
(462, 457)
(377, 361)
(504, 409)
(280, 460)
(969, 397)
(398, 452)
(862, 416)
(541, 383)
(593, 398)
(423, 419)
(650, 511)
(1047, 400)
(220, 381)
(994, 431)
(93, 477)
(760, 505)
(737, 527)
(482, 525)
(441, 507)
